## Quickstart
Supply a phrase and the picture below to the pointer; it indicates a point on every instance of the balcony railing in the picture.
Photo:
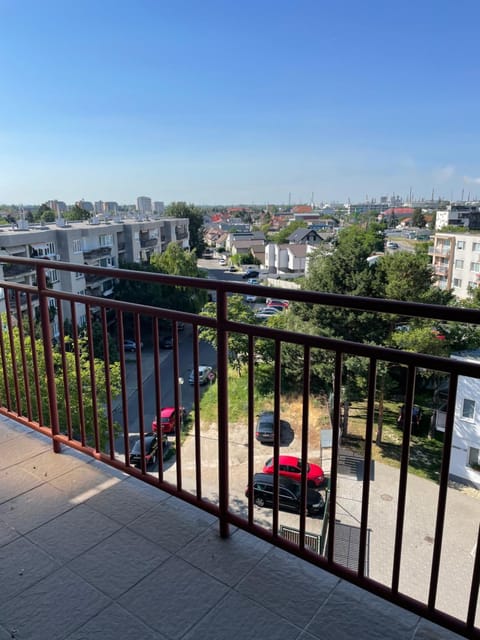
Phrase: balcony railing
(91, 402)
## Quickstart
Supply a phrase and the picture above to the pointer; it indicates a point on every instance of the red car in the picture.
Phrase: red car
(167, 419)
(291, 467)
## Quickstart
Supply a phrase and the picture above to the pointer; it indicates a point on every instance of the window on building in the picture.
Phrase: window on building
(475, 266)
(78, 246)
(468, 411)
(106, 240)
(53, 275)
(476, 246)
(458, 264)
(457, 282)
(461, 244)
(474, 457)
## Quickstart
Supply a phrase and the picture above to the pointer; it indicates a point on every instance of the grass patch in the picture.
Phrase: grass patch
(425, 453)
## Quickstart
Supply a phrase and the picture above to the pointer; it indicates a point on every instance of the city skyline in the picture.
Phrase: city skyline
(254, 103)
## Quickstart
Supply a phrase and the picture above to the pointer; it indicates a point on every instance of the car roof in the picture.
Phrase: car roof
(202, 368)
(293, 460)
(268, 478)
(166, 412)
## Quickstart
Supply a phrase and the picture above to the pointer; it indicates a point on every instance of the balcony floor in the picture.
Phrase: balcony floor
(87, 552)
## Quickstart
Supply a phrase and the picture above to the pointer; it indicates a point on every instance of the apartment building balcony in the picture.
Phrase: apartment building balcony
(92, 545)
(148, 243)
(96, 253)
(17, 270)
(440, 269)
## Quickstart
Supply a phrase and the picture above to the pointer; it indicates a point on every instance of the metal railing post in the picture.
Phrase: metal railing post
(48, 354)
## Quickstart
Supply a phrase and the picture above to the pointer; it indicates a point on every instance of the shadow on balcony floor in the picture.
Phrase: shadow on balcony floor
(88, 552)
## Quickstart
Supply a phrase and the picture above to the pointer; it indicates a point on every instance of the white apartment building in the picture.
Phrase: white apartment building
(144, 205)
(105, 243)
(465, 456)
(456, 261)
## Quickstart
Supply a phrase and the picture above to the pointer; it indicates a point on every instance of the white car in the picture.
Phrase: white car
(205, 374)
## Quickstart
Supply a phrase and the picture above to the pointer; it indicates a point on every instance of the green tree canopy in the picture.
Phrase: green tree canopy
(418, 218)
(77, 213)
(195, 219)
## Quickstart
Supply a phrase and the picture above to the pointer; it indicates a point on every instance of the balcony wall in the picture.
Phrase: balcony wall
(404, 534)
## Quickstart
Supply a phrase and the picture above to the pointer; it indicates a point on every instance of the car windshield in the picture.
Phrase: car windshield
(165, 419)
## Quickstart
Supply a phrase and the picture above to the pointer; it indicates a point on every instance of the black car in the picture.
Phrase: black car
(289, 497)
(264, 431)
(151, 450)
(166, 342)
(250, 274)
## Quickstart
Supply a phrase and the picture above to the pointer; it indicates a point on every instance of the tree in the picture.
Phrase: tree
(418, 218)
(237, 342)
(195, 222)
(90, 403)
(77, 213)
(174, 261)
(45, 213)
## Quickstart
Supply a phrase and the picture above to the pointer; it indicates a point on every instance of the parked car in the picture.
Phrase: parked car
(277, 301)
(291, 467)
(266, 312)
(166, 342)
(253, 281)
(250, 298)
(277, 307)
(167, 419)
(392, 245)
(289, 495)
(232, 268)
(131, 345)
(250, 274)
(205, 374)
(264, 431)
(151, 450)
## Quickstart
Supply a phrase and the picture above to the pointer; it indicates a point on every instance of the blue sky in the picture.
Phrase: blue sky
(255, 101)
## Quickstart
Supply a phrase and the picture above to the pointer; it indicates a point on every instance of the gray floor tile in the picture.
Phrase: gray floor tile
(353, 613)
(426, 630)
(288, 586)
(228, 560)
(174, 597)
(7, 533)
(119, 562)
(73, 532)
(48, 465)
(15, 480)
(22, 564)
(4, 634)
(34, 508)
(172, 524)
(240, 618)
(52, 608)
(114, 623)
(85, 481)
(127, 500)
(31, 445)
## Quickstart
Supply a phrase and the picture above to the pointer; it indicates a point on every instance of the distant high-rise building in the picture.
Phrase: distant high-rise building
(58, 206)
(99, 206)
(110, 207)
(144, 205)
(86, 205)
(158, 207)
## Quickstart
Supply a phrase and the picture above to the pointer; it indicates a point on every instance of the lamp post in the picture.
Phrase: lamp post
(180, 408)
